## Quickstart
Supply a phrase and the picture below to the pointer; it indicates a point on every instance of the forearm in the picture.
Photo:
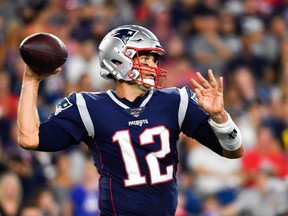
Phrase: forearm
(228, 135)
(27, 116)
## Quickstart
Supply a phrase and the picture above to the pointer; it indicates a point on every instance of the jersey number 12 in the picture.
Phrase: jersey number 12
(134, 176)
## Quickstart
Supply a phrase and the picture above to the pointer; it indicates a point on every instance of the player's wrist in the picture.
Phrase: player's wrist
(30, 76)
(220, 118)
(31, 79)
(227, 133)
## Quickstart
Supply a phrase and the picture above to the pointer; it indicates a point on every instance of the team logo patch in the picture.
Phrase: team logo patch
(136, 112)
(194, 97)
(124, 34)
(63, 105)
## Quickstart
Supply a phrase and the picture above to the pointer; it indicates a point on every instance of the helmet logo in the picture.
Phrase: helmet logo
(124, 34)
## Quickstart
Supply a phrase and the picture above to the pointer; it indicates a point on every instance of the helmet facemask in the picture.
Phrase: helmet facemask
(140, 71)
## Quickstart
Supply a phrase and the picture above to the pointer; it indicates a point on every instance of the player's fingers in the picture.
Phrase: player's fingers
(29, 72)
(203, 81)
(196, 85)
(212, 79)
(220, 84)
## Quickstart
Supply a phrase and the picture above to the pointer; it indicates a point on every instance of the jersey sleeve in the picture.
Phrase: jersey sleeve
(54, 140)
(194, 114)
(195, 124)
(65, 123)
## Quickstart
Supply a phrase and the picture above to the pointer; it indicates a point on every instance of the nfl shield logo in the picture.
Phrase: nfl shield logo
(136, 112)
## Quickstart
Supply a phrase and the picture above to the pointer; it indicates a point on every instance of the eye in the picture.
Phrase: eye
(143, 58)
(155, 58)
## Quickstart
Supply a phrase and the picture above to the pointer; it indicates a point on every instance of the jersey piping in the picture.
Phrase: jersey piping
(182, 106)
(84, 113)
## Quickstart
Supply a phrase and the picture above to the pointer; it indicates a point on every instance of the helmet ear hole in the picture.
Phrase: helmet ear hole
(134, 74)
(116, 62)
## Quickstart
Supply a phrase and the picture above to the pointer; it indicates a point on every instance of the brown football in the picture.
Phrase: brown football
(43, 52)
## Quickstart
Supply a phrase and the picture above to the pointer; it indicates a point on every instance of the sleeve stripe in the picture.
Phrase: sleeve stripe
(84, 113)
(183, 105)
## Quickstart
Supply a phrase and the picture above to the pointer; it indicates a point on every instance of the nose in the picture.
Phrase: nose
(151, 63)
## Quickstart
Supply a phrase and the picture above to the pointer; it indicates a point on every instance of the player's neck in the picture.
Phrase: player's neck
(128, 91)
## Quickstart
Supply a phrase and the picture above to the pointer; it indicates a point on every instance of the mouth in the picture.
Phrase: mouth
(151, 76)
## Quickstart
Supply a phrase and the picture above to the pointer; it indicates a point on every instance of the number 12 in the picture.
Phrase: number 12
(134, 176)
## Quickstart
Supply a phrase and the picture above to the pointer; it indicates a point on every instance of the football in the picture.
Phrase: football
(43, 52)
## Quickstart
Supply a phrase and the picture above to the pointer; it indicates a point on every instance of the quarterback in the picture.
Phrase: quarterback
(132, 130)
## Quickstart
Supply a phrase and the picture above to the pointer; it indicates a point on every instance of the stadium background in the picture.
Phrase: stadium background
(244, 41)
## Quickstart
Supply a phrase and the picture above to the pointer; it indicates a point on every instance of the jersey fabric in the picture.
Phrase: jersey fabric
(133, 144)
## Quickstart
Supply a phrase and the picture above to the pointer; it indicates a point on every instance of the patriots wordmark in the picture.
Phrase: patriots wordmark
(138, 122)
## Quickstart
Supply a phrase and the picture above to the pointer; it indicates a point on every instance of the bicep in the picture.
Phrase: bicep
(53, 137)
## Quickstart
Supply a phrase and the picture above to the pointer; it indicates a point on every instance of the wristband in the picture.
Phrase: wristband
(228, 134)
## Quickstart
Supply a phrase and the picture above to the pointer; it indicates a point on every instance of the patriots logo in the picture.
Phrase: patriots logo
(124, 34)
(63, 105)
(194, 97)
(136, 112)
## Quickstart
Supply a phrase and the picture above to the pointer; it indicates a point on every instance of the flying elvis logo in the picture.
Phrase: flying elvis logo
(62, 105)
(124, 34)
(194, 97)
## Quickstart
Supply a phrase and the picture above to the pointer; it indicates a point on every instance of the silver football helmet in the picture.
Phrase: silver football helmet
(121, 46)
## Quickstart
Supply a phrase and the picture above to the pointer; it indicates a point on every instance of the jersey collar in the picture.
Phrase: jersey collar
(121, 104)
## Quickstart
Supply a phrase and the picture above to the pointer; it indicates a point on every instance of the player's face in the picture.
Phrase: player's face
(148, 68)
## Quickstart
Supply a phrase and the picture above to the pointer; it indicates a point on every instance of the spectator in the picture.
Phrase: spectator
(62, 182)
(84, 196)
(215, 175)
(266, 156)
(31, 210)
(8, 100)
(43, 198)
(10, 194)
(262, 43)
(252, 57)
(8, 107)
(207, 47)
(86, 61)
(249, 122)
(228, 31)
(28, 170)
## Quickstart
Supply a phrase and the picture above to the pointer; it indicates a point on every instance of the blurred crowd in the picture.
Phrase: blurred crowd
(245, 41)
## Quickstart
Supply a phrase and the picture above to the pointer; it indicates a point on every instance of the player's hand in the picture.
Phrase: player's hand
(30, 74)
(210, 96)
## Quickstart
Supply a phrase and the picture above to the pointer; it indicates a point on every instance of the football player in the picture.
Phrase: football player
(132, 131)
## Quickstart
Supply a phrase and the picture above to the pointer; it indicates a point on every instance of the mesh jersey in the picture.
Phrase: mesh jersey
(133, 144)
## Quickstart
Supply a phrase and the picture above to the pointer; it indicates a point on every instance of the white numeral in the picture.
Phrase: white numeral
(134, 176)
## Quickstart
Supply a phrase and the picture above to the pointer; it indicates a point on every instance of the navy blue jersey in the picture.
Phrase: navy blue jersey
(133, 144)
